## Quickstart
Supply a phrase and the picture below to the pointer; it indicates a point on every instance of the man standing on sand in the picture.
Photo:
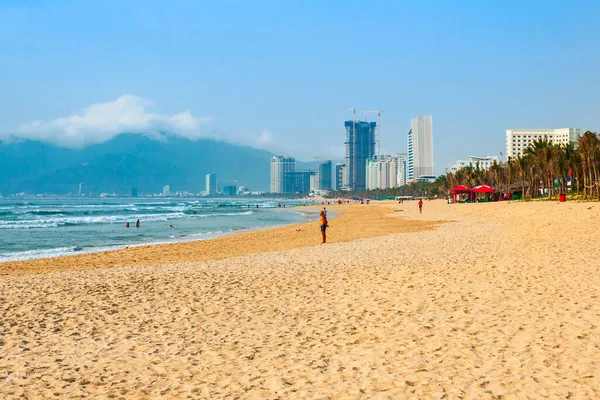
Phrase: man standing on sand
(420, 206)
(324, 225)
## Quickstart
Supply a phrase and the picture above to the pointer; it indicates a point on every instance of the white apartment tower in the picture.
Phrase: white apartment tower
(166, 190)
(420, 148)
(279, 166)
(518, 140)
(211, 184)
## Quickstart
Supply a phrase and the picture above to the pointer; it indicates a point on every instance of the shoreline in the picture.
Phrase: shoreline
(234, 244)
(182, 239)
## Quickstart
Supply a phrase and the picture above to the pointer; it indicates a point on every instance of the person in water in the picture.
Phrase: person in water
(420, 206)
(127, 225)
(137, 223)
(324, 226)
(171, 226)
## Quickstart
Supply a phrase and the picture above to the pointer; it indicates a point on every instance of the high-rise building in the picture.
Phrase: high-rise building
(298, 182)
(402, 169)
(166, 190)
(518, 140)
(280, 165)
(387, 172)
(230, 190)
(339, 176)
(325, 176)
(420, 148)
(211, 184)
(360, 146)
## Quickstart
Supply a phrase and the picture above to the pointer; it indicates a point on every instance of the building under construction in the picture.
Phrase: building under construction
(360, 147)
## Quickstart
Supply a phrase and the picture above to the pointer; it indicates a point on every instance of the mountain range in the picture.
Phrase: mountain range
(131, 161)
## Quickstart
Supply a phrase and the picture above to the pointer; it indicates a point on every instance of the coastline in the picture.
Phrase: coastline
(350, 224)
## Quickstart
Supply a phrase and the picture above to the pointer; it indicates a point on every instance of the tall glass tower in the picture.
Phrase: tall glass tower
(360, 146)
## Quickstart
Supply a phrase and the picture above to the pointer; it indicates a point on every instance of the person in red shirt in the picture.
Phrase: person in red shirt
(420, 206)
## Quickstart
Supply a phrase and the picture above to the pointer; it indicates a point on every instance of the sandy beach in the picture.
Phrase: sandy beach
(496, 300)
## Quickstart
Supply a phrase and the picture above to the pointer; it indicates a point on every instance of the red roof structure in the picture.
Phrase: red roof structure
(483, 189)
(459, 189)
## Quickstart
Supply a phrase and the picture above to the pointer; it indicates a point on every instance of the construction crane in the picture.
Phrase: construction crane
(353, 109)
(378, 140)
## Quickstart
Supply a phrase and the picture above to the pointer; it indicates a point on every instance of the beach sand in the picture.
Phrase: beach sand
(501, 303)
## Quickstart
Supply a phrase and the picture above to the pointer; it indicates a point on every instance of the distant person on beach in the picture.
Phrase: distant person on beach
(171, 226)
(137, 223)
(324, 225)
(420, 206)
(279, 205)
(127, 225)
(325, 212)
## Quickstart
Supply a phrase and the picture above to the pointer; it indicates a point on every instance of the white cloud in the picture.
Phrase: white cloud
(265, 138)
(103, 121)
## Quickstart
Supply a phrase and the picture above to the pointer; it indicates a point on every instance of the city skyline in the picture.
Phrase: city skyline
(248, 74)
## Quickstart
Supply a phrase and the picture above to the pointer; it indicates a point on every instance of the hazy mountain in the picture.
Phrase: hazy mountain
(130, 161)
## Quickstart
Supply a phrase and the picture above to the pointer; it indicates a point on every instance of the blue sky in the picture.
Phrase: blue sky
(282, 74)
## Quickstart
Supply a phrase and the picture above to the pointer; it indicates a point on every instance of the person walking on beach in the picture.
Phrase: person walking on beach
(420, 206)
(324, 226)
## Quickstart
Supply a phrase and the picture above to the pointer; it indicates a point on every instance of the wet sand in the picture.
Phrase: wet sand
(502, 303)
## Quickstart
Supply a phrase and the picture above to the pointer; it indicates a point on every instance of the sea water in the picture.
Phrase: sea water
(40, 228)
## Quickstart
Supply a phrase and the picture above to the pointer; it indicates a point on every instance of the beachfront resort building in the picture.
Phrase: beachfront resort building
(483, 163)
(211, 184)
(518, 140)
(324, 176)
(420, 148)
(360, 147)
(280, 165)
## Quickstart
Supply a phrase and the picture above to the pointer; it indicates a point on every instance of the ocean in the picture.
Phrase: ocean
(39, 228)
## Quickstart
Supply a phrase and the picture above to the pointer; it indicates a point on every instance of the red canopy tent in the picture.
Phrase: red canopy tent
(482, 189)
(455, 192)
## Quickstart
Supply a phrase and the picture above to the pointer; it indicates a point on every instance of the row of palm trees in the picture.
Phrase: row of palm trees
(544, 169)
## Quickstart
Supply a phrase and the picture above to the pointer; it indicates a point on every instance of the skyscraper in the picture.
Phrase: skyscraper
(360, 146)
(279, 166)
(166, 190)
(325, 175)
(420, 148)
(211, 184)
(339, 176)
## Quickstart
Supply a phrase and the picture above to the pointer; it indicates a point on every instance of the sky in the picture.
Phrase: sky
(281, 75)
